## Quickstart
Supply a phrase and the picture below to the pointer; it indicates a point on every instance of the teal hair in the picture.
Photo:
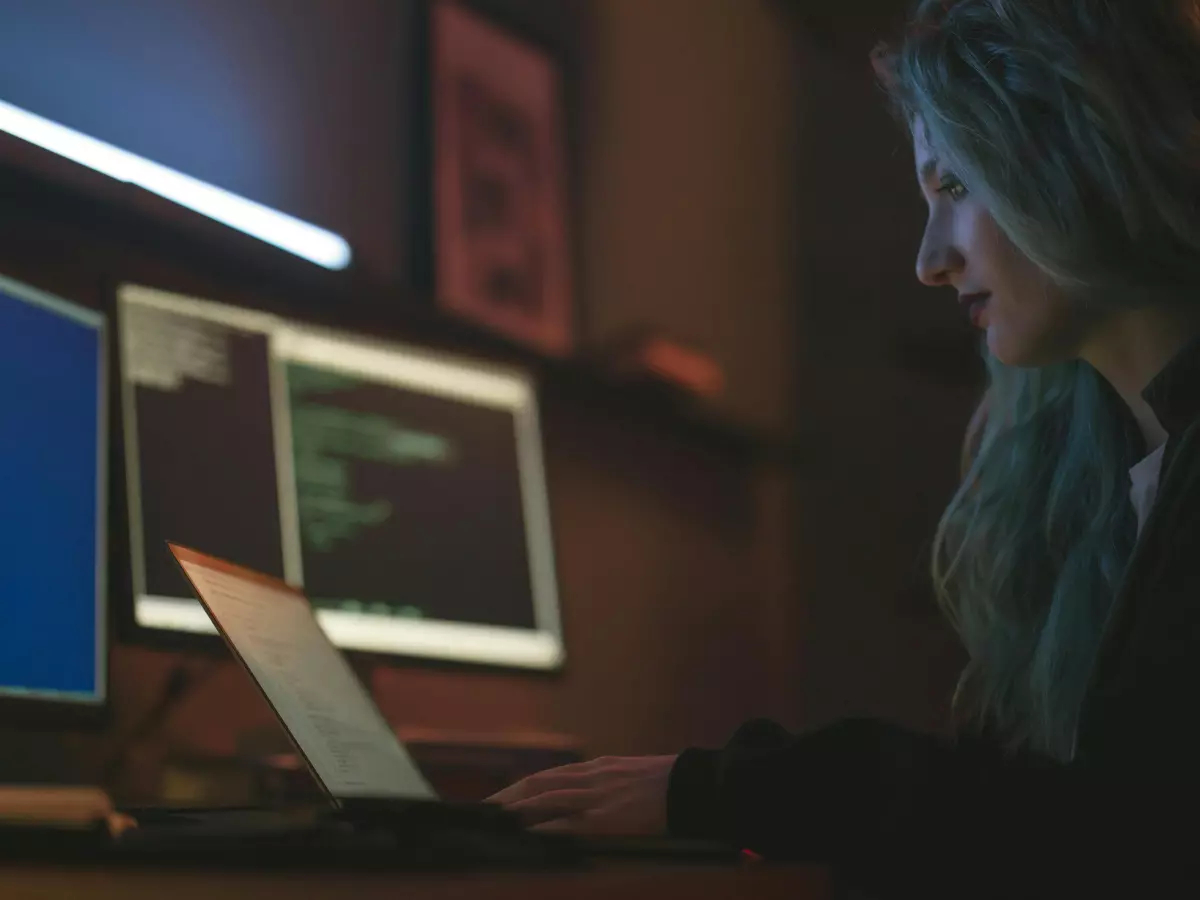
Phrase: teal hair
(1030, 552)
(1075, 122)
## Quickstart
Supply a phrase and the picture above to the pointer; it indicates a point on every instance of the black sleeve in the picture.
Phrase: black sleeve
(908, 813)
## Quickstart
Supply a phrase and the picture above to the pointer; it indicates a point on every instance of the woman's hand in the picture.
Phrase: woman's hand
(617, 795)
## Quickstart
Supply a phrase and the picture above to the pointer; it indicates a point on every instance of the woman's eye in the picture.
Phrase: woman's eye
(953, 188)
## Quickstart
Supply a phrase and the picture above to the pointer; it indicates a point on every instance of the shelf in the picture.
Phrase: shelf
(117, 223)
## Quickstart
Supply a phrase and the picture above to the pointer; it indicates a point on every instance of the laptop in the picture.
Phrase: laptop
(353, 754)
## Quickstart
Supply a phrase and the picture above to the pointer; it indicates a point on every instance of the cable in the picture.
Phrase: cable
(180, 681)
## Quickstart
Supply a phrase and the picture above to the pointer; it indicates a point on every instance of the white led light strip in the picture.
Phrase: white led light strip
(286, 232)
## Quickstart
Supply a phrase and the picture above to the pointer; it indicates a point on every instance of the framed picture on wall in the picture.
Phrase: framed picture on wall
(502, 254)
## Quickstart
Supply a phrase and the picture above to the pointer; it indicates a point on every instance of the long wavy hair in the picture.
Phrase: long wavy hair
(1076, 124)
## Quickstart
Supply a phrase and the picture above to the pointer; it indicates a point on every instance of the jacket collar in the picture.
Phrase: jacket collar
(1174, 393)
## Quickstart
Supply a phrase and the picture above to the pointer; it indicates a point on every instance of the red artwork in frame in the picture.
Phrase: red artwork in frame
(501, 237)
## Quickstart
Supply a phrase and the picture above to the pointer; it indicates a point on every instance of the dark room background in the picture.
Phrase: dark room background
(736, 182)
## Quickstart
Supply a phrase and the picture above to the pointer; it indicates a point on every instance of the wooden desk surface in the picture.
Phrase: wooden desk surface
(626, 883)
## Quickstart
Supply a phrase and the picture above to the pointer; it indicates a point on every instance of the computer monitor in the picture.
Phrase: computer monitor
(199, 425)
(53, 476)
(403, 489)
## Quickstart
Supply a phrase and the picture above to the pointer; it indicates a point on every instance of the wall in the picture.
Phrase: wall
(874, 385)
(691, 165)
(740, 158)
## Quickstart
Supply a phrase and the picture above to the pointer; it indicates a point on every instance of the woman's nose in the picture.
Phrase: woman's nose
(937, 261)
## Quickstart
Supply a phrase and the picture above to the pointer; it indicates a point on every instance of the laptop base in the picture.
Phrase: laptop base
(389, 833)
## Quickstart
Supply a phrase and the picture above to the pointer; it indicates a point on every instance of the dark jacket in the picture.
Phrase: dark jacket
(909, 814)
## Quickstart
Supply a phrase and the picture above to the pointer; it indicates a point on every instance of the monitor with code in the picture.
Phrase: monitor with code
(421, 502)
(53, 474)
(401, 488)
(199, 444)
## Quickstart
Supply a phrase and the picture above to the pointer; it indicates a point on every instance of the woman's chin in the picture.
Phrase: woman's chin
(1004, 349)
(999, 349)
(1022, 354)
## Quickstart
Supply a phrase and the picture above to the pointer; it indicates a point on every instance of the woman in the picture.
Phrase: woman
(1057, 145)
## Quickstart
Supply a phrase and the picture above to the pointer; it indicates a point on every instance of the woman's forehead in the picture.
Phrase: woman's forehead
(919, 131)
(924, 156)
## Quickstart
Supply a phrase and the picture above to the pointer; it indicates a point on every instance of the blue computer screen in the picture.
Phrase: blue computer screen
(52, 434)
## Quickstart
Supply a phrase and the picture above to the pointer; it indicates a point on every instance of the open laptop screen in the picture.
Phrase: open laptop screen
(322, 705)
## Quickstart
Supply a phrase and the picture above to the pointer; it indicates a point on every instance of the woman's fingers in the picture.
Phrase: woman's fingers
(609, 795)
(553, 805)
(562, 778)
(568, 825)
(592, 821)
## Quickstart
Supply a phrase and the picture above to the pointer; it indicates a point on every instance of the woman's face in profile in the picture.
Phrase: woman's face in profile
(1029, 320)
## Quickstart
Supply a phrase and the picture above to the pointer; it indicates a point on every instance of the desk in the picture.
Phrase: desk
(640, 882)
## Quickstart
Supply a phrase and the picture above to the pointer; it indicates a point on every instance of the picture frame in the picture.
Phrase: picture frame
(502, 255)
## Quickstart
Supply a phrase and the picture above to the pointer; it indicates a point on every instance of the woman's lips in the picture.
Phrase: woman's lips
(975, 305)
